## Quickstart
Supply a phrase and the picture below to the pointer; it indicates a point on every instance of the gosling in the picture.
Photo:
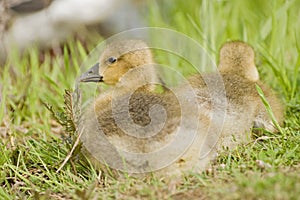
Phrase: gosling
(227, 102)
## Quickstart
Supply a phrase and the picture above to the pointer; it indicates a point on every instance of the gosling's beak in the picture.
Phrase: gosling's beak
(92, 75)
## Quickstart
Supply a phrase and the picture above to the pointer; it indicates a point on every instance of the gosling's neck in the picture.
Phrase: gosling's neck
(247, 70)
(143, 78)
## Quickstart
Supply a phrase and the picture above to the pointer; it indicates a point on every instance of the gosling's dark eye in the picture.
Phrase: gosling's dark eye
(112, 60)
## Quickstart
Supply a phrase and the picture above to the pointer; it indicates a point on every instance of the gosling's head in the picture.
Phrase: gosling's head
(238, 58)
(117, 59)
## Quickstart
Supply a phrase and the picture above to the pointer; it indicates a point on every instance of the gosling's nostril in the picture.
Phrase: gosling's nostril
(92, 75)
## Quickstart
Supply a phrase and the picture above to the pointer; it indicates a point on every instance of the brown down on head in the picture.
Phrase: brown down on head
(120, 56)
(238, 58)
(127, 64)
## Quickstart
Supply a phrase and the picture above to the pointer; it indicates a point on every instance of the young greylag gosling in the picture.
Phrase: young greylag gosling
(224, 116)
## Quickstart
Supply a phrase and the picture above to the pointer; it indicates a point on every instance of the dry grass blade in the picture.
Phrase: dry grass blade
(68, 119)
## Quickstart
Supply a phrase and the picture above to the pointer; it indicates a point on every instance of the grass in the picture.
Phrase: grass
(267, 167)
